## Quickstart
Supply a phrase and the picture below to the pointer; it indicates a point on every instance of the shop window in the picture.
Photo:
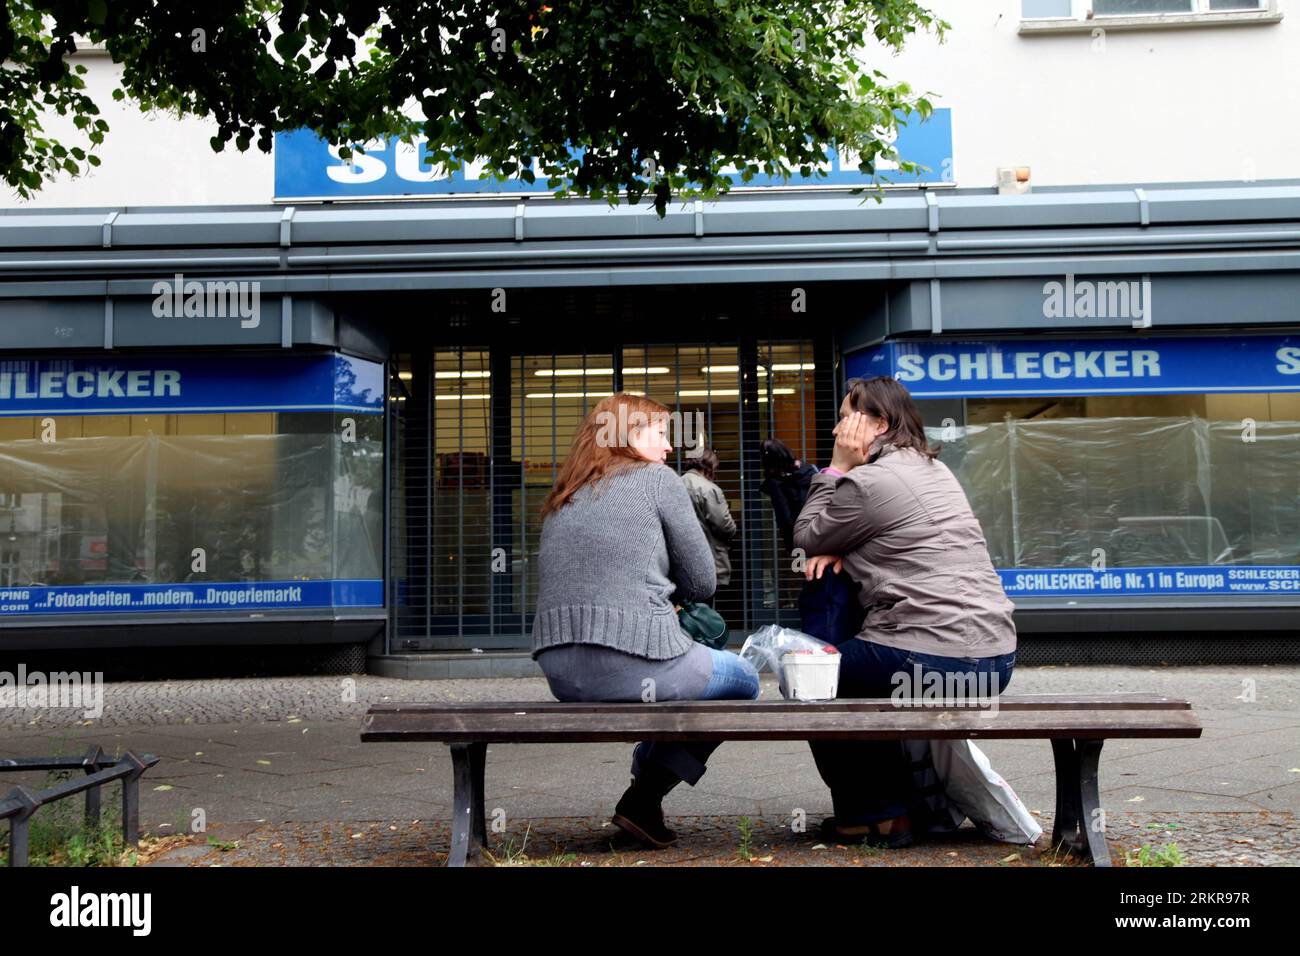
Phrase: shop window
(9, 564)
(1164, 481)
(126, 499)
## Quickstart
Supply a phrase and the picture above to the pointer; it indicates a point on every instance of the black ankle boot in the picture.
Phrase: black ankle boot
(640, 810)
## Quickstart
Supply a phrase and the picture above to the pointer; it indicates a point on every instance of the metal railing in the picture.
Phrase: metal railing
(20, 803)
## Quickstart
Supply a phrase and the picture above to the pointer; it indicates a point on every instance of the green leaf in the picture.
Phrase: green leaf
(698, 84)
(288, 45)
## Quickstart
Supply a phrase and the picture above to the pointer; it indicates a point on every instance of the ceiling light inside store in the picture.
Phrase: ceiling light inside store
(762, 370)
(726, 393)
(728, 370)
(553, 372)
(574, 394)
(407, 376)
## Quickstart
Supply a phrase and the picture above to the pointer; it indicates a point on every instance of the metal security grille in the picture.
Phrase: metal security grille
(552, 395)
(440, 556)
(481, 432)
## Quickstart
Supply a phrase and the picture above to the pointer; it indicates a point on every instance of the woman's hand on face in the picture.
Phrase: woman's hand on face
(819, 563)
(852, 436)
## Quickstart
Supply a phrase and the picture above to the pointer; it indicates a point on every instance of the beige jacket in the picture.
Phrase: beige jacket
(715, 518)
(907, 535)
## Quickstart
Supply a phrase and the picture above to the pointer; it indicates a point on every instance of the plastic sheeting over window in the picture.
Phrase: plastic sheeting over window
(299, 505)
(1134, 492)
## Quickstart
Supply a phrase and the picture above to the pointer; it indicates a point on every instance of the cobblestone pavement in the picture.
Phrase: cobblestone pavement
(168, 702)
(1205, 839)
(279, 760)
(257, 700)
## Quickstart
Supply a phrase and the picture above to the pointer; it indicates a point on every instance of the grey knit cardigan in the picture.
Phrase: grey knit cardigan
(613, 561)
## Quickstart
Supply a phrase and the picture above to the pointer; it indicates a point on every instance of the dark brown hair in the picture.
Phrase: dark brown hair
(706, 463)
(883, 397)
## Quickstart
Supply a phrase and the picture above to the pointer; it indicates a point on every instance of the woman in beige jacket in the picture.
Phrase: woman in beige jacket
(712, 509)
(898, 521)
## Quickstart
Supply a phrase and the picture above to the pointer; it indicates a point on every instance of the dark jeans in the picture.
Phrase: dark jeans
(871, 780)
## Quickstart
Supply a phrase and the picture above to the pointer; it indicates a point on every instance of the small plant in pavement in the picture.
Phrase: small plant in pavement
(1147, 855)
(746, 838)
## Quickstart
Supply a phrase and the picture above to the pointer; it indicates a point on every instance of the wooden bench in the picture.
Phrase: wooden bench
(1076, 726)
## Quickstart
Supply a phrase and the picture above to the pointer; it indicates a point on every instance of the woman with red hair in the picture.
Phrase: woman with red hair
(621, 547)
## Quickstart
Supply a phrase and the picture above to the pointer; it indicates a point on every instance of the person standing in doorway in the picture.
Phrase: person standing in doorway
(712, 510)
(786, 481)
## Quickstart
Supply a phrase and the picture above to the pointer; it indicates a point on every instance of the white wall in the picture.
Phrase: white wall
(1168, 105)
(1196, 104)
(153, 160)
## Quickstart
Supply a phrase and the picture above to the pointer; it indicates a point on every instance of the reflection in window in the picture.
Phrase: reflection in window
(1147, 490)
(183, 498)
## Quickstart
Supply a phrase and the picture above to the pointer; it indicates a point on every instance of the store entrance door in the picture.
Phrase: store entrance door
(481, 433)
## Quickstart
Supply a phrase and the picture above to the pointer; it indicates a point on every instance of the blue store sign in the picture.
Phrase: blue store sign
(306, 167)
(130, 385)
(1276, 580)
(217, 596)
(1128, 366)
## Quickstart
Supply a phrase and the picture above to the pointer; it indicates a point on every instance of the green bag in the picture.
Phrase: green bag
(703, 624)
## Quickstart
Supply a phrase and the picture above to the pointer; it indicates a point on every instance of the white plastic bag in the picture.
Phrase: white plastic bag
(931, 810)
(977, 790)
(766, 646)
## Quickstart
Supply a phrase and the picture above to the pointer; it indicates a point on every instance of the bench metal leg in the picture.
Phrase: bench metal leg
(1078, 825)
(468, 827)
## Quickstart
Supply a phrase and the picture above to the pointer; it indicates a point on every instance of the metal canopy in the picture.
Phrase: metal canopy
(751, 237)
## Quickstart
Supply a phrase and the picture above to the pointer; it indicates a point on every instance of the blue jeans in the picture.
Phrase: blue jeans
(871, 780)
(731, 679)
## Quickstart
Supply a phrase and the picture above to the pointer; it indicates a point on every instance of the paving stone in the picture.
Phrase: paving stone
(1231, 795)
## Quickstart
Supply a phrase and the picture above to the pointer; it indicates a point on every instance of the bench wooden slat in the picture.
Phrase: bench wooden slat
(847, 705)
(814, 723)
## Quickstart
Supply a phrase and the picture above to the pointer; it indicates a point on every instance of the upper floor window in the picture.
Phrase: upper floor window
(1079, 9)
(1037, 15)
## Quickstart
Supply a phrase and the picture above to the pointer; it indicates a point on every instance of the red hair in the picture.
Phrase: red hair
(601, 447)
